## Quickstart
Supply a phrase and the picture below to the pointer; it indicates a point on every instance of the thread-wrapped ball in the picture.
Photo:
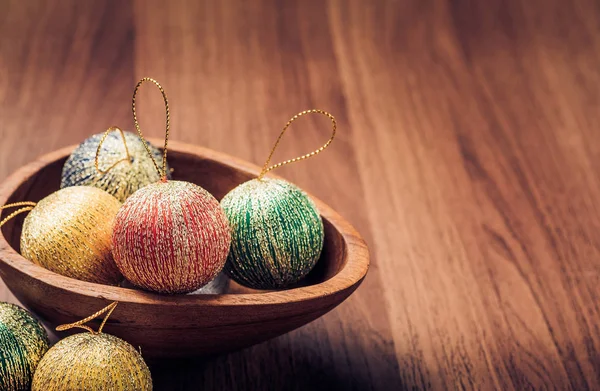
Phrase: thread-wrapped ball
(277, 233)
(122, 180)
(92, 362)
(69, 232)
(171, 237)
(23, 342)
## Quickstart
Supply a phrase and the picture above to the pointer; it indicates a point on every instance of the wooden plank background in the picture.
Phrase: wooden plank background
(467, 156)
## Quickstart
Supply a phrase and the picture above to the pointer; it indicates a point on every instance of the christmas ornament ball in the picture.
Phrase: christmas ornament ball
(23, 342)
(92, 362)
(171, 237)
(277, 233)
(69, 233)
(122, 180)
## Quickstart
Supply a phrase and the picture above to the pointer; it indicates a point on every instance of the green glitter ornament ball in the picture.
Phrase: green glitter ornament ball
(23, 342)
(277, 233)
(121, 181)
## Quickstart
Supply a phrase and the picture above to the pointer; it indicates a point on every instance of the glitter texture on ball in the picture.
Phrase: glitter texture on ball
(23, 342)
(277, 234)
(92, 362)
(171, 237)
(69, 232)
(122, 180)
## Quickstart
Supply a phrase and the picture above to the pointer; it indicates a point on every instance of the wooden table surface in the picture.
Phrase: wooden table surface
(467, 156)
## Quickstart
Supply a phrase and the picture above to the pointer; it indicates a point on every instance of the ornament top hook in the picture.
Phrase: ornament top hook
(161, 171)
(26, 207)
(81, 324)
(266, 167)
(126, 159)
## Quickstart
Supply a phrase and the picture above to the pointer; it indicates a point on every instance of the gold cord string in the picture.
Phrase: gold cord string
(81, 324)
(127, 159)
(266, 167)
(28, 206)
(163, 172)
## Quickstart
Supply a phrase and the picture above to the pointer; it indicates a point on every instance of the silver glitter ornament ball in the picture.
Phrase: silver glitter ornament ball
(125, 177)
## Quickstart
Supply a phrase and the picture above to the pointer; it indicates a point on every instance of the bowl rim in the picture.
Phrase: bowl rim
(352, 273)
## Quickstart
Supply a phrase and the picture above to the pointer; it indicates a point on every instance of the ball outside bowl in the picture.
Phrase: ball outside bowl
(180, 325)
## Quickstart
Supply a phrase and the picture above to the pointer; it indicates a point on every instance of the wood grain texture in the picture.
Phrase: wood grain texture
(467, 157)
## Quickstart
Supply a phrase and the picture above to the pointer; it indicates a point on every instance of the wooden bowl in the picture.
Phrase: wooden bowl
(184, 325)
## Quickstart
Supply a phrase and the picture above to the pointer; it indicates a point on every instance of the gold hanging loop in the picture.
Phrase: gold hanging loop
(27, 206)
(266, 167)
(161, 172)
(82, 323)
(127, 159)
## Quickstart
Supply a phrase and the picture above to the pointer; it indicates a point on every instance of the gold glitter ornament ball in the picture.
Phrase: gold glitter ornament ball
(92, 362)
(122, 178)
(69, 232)
(23, 342)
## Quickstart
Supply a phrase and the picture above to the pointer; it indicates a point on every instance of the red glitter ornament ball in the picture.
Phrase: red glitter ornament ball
(171, 237)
